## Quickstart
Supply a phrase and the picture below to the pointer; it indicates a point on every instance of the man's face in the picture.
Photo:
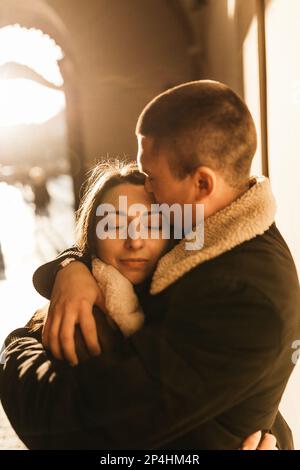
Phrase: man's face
(160, 181)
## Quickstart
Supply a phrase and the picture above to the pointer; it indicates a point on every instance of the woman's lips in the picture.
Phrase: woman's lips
(134, 262)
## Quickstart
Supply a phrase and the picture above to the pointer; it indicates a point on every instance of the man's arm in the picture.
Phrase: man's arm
(160, 384)
(74, 292)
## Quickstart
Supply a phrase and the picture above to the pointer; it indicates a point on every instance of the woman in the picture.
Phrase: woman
(131, 260)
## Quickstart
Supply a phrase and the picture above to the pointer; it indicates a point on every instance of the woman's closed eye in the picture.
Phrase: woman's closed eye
(153, 221)
(114, 227)
(116, 222)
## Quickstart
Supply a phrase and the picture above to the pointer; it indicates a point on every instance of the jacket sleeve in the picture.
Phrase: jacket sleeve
(44, 277)
(158, 385)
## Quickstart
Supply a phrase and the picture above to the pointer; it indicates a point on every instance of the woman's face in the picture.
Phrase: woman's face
(135, 257)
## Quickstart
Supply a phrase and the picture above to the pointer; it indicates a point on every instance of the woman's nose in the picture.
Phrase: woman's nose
(135, 242)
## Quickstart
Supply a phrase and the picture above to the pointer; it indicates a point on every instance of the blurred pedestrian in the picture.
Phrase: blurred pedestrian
(38, 182)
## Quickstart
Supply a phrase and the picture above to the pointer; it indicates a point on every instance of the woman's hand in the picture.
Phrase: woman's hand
(74, 294)
(258, 442)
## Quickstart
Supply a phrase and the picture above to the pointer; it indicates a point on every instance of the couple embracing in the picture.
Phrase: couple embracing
(147, 344)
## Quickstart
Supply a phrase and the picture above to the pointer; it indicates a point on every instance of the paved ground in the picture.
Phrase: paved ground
(26, 243)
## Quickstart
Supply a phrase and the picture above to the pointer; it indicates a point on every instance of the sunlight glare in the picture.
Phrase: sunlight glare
(33, 48)
(24, 101)
(230, 8)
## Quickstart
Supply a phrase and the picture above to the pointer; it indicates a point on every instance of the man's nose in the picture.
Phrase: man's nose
(148, 186)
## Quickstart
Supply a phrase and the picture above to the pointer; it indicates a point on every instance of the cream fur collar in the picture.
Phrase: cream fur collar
(245, 218)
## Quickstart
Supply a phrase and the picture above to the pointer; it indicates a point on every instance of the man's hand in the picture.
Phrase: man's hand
(258, 442)
(74, 294)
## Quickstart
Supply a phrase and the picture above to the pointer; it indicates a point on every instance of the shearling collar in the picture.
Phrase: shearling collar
(245, 218)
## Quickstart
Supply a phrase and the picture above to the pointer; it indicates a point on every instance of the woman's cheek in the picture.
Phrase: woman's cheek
(106, 250)
(159, 248)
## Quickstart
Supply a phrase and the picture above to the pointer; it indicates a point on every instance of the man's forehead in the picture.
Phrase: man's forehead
(147, 153)
(144, 164)
(146, 144)
(140, 162)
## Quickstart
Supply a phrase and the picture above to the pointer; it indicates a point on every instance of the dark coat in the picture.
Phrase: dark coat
(200, 375)
(208, 368)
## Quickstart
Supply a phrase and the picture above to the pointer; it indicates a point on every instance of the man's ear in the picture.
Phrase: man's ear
(204, 181)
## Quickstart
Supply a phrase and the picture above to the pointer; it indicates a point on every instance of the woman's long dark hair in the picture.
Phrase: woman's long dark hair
(103, 177)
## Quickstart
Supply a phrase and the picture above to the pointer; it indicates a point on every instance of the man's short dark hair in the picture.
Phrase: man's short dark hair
(202, 123)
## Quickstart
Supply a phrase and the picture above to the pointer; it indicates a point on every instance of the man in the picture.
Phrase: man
(212, 368)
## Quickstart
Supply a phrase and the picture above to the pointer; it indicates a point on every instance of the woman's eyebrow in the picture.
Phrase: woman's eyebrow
(117, 212)
(114, 212)
(153, 212)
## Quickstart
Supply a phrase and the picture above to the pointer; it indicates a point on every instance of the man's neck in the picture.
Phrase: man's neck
(228, 197)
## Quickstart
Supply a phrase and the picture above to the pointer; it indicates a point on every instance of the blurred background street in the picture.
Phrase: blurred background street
(28, 240)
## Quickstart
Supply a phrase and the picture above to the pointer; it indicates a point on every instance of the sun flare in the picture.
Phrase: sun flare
(24, 101)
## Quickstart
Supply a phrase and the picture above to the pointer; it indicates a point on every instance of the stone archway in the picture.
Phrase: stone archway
(38, 14)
